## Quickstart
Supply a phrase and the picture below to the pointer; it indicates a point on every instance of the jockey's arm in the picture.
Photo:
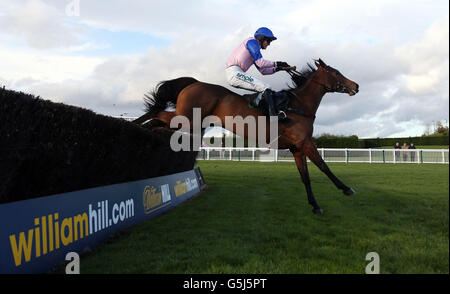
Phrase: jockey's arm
(266, 70)
(265, 67)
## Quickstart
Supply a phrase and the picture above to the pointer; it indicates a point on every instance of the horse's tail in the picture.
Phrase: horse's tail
(165, 94)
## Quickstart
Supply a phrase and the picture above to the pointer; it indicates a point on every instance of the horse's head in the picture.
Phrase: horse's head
(333, 80)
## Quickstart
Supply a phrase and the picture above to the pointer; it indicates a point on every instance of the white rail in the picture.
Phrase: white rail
(346, 155)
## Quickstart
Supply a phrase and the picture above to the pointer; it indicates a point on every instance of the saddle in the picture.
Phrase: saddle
(282, 100)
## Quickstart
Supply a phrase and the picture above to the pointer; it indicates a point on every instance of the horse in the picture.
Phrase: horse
(309, 87)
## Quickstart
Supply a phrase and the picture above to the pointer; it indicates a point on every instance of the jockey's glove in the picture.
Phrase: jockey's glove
(281, 65)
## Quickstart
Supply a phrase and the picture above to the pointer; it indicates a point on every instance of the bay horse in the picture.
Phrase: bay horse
(310, 85)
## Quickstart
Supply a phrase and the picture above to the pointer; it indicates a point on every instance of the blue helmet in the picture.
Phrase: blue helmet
(264, 32)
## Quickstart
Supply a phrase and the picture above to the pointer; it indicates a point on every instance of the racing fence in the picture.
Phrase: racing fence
(347, 155)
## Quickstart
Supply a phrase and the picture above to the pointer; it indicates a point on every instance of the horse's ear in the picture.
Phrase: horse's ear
(319, 63)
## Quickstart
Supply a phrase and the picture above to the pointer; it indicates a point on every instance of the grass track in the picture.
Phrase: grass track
(254, 218)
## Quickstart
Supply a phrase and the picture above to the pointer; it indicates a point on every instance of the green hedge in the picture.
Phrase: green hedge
(424, 141)
(49, 148)
(331, 141)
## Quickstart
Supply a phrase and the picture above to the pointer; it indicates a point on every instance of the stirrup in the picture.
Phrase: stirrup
(282, 115)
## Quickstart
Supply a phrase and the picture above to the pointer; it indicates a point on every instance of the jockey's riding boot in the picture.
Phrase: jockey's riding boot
(282, 95)
(268, 96)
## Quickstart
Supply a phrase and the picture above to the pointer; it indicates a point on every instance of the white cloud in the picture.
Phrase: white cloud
(428, 61)
(17, 65)
(42, 25)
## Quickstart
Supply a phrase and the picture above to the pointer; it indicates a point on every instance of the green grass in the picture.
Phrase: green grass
(254, 218)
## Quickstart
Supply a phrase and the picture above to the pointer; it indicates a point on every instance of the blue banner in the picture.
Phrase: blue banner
(36, 234)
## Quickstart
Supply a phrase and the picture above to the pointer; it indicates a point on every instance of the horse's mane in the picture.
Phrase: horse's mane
(299, 78)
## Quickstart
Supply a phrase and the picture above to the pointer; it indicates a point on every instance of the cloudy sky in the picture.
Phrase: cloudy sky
(104, 55)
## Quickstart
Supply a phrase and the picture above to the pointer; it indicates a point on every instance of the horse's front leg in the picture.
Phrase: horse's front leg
(313, 154)
(300, 161)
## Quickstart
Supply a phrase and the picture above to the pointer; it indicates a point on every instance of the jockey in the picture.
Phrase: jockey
(248, 53)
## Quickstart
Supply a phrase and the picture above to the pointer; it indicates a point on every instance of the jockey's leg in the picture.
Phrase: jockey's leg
(268, 96)
(237, 78)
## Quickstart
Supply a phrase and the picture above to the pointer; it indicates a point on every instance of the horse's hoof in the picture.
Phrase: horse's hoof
(349, 192)
(318, 211)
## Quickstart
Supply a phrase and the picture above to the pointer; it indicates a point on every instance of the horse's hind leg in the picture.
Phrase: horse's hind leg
(161, 120)
(314, 156)
(142, 118)
(300, 161)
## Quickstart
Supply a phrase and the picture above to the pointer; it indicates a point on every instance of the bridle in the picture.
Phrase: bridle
(337, 87)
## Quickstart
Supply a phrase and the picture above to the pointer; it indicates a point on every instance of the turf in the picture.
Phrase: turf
(254, 218)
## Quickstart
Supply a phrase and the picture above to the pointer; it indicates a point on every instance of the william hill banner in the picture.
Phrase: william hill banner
(36, 234)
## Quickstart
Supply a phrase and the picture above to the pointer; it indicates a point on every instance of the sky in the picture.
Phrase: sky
(105, 55)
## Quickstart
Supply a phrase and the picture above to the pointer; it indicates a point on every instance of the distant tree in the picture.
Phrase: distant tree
(427, 131)
(439, 130)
